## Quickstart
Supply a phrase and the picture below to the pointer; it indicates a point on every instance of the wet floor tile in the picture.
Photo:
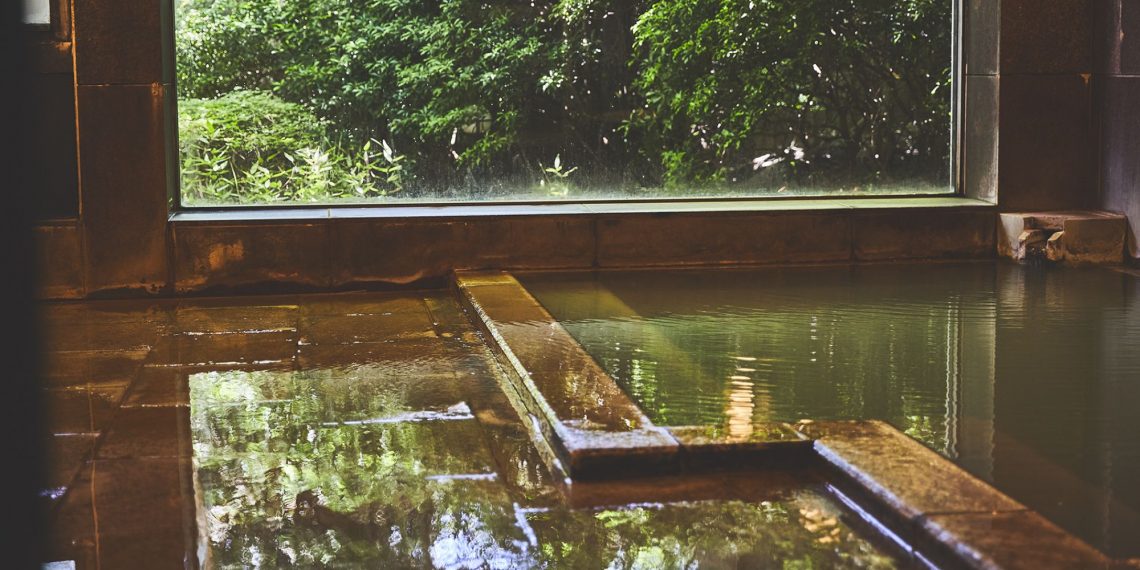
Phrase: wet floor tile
(335, 468)
(455, 523)
(448, 319)
(225, 350)
(441, 354)
(103, 367)
(155, 314)
(356, 304)
(349, 453)
(233, 319)
(85, 336)
(139, 433)
(517, 461)
(127, 514)
(356, 328)
(82, 409)
(65, 455)
(158, 386)
(358, 393)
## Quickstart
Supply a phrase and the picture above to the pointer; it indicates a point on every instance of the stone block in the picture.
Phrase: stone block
(965, 233)
(122, 137)
(414, 250)
(119, 42)
(908, 478)
(128, 514)
(251, 256)
(1012, 541)
(59, 262)
(645, 240)
(1045, 149)
(1046, 36)
(1073, 237)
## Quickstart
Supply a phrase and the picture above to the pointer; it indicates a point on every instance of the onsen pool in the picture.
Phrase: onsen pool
(1028, 377)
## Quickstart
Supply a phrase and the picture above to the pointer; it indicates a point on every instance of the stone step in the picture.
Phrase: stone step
(1072, 237)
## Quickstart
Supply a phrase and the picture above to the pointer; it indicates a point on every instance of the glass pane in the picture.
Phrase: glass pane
(302, 101)
(37, 11)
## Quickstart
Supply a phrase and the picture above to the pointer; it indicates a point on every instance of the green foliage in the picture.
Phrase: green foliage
(680, 93)
(221, 46)
(844, 90)
(556, 177)
(252, 147)
(443, 78)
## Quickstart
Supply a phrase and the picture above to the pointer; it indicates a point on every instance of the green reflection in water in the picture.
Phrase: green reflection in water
(800, 530)
(1028, 377)
(334, 468)
(293, 472)
(780, 345)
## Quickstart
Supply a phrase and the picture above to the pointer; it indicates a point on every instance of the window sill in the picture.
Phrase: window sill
(306, 214)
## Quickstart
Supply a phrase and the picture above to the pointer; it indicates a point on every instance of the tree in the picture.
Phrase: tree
(480, 96)
(840, 92)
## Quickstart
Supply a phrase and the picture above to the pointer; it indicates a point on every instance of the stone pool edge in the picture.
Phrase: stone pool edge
(947, 516)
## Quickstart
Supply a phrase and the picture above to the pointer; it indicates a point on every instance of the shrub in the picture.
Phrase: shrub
(840, 90)
(252, 147)
(637, 93)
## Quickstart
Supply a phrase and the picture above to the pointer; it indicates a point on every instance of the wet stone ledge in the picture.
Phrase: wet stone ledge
(590, 424)
(946, 512)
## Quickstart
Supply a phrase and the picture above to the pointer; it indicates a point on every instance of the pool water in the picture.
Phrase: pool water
(335, 468)
(1029, 377)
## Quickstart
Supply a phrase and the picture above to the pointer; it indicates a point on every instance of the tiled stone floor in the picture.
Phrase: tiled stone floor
(356, 430)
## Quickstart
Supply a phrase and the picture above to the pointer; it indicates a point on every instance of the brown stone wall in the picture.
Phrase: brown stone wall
(1116, 90)
(1028, 124)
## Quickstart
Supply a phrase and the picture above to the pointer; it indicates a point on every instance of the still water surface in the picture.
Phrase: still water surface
(1028, 377)
(416, 460)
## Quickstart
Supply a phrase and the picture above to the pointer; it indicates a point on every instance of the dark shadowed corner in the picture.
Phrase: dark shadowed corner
(21, 523)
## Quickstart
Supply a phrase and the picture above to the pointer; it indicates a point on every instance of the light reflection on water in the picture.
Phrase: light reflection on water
(290, 471)
(1028, 377)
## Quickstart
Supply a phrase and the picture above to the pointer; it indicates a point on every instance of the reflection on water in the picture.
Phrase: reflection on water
(358, 466)
(800, 530)
(780, 345)
(1028, 377)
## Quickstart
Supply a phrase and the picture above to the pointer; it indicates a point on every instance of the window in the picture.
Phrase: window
(37, 12)
(408, 101)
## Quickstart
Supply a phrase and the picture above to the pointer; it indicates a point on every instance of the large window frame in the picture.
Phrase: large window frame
(493, 207)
